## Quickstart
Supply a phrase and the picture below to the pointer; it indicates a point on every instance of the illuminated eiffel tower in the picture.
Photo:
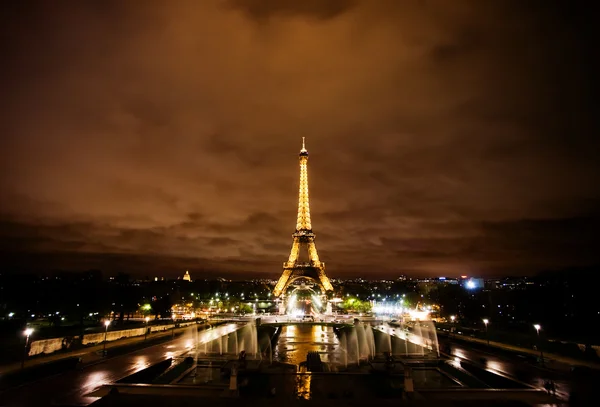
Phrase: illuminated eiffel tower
(312, 268)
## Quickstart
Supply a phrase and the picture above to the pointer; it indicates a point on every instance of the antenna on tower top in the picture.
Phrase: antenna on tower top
(303, 147)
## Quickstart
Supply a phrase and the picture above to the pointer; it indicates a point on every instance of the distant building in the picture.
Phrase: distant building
(186, 276)
(472, 283)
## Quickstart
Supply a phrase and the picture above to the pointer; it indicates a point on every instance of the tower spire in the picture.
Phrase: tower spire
(303, 151)
(304, 237)
(303, 220)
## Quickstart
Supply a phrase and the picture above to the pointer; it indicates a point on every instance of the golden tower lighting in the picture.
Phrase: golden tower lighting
(303, 238)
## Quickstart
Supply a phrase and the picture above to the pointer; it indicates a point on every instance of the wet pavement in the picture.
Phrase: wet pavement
(294, 343)
(71, 388)
(513, 365)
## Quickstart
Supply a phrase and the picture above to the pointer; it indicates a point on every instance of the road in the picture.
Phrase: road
(71, 388)
(519, 367)
(513, 365)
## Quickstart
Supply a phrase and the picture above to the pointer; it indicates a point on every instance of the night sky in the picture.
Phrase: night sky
(445, 137)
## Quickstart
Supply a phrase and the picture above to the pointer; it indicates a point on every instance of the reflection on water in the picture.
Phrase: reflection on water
(294, 344)
(303, 386)
(296, 341)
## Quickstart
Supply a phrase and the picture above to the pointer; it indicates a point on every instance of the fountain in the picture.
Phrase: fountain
(370, 339)
(354, 347)
(418, 338)
(266, 347)
(420, 341)
(248, 340)
(236, 349)
(344, 349)
(385, 342)
(431, 341)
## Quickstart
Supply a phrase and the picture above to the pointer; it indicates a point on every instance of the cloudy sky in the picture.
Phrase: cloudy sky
(445, 137)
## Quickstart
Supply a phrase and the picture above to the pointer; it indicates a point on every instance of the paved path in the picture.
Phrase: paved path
(518, 349)
(89, 354)
(72, 388)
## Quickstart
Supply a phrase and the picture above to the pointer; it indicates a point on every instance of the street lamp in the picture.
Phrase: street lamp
(538, 327)
(452, 318)
(106, 324)
(27, 334)
(173, 332)
(487, 334)
(146, 335)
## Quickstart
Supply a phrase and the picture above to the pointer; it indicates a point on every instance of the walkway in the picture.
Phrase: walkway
(92, 354)
(512, 348)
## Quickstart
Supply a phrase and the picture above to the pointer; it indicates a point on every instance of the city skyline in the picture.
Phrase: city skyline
(442, 143)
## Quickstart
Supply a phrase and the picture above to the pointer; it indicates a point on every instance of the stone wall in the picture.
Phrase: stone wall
(112, 335)
(161, 328)
(52, 345)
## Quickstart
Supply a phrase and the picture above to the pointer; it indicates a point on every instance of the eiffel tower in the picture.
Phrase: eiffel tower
(311, 268)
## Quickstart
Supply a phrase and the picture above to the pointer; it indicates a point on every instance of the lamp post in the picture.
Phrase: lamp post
(146, 334)
(106, 324)
(537, 329)
(452, 318)
(27, 334)
(487, 334)
(173, 332)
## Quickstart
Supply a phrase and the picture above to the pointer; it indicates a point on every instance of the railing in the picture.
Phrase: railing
(289, 265)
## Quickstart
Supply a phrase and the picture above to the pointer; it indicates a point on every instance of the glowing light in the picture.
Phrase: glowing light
(537, 327)
(302, 236)
(418, 315)
(96, 379)
(11, 314)
(388, 309)
(28, 331)
(107, 323)
(470, 284)
(486, 321)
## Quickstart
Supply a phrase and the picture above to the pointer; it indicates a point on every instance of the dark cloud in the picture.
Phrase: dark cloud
(264, 9)
(444, 137)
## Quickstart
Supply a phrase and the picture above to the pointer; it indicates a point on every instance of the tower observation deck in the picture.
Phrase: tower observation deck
(303, 241)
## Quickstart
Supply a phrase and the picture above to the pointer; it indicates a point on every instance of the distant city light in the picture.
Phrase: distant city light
(11, 314)
(471, 284)
(418, 315)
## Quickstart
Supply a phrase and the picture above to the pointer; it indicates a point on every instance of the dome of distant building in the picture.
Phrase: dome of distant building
(187, 277)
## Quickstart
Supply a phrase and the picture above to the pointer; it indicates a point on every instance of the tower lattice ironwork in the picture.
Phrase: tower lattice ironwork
(304, 238)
